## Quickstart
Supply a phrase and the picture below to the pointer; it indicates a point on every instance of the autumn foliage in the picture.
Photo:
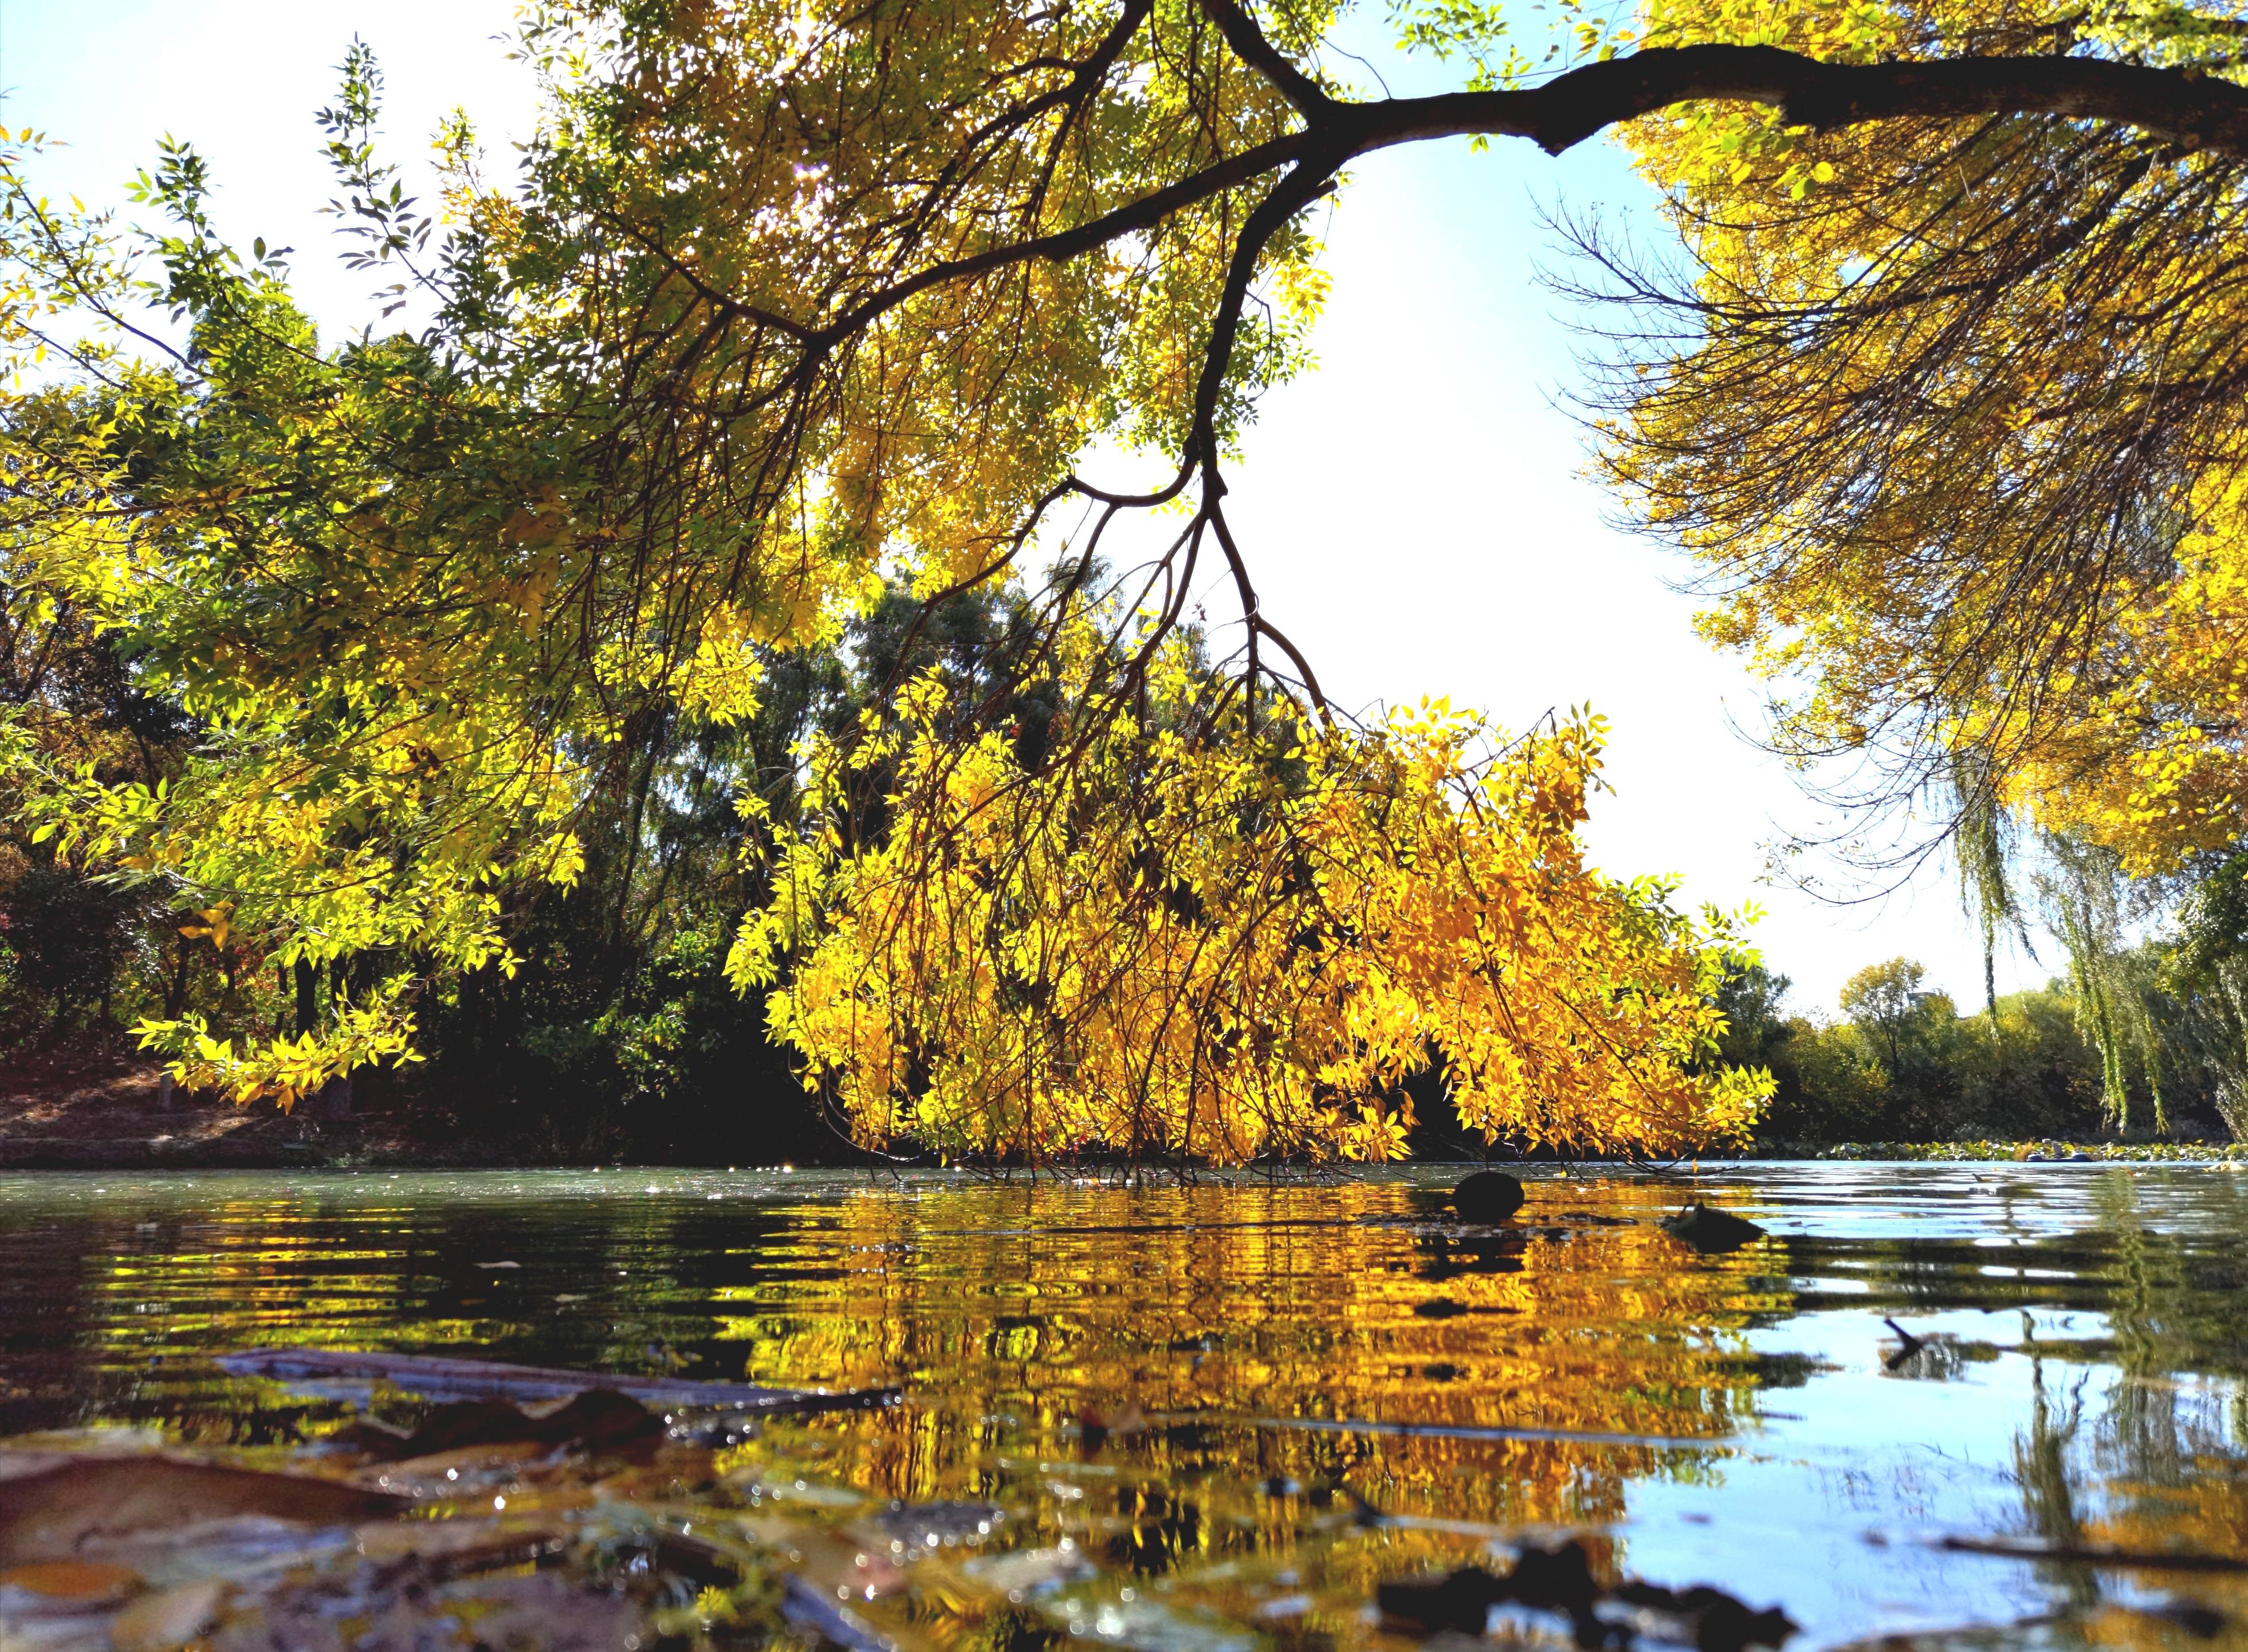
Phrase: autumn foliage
(1947, 412)
(1230, 947)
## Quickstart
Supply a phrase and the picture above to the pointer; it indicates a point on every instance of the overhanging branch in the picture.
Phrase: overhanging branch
(2178, 104)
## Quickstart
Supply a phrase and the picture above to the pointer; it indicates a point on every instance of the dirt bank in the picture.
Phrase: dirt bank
(90, 1107)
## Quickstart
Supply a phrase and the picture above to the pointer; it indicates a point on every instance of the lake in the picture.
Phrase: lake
(1243, 1405)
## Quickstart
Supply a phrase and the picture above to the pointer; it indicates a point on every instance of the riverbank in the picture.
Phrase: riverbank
(92, 1108)
(2028, 1152)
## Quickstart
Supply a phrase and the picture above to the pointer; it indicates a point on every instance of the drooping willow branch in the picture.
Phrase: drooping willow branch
(1874, 413)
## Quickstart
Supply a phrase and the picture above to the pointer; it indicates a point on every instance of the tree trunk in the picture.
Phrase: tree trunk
(175, 996)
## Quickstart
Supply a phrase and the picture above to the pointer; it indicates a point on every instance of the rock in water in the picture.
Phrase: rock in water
(1487, 1196)
(1711, 1231)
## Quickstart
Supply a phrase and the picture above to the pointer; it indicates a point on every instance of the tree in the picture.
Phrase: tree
(1218, 949)
(1885, 1001)
(2206, 975)
(1909, 1035)
(1947, 411)
(780, 301)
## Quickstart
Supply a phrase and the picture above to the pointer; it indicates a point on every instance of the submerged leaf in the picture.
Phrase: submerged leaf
(59, 1513)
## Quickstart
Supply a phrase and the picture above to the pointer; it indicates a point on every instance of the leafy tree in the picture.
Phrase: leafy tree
(1831, 1088)
(73, 942)
(1884, 1001)
(618, 1034)
(66, 937)
(2206, 974)
(1176, 951)
(1903, 1065)
(2031, 1075)
(1908, 1035)
(1946, 409)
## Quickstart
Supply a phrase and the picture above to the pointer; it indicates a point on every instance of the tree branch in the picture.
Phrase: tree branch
(2176, 103)
(1249, 44)
(2179, 105)
(1129, 219)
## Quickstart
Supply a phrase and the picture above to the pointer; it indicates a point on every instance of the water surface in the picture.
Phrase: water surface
(1309, 1386)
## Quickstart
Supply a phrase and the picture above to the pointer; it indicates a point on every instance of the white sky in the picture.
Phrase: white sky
(1414, 509)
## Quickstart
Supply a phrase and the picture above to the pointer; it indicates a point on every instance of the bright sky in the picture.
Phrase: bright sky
(1414, 509)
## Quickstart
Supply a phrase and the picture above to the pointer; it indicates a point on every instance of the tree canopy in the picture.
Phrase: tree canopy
(783, 304)
(1947, 410)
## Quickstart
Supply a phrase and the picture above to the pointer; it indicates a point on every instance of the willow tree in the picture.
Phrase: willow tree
(785, 301)
(1949, 411)
(1949, 408)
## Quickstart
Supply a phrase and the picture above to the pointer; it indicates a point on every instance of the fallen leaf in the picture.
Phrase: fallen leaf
(454, 1473)
(396, 1608)
(837, 1564)
(438, 1378)
(1095, 1431)
(805, 1605)
(366, 1439)
(1023, 1572)
(168, 1618)
(598, 1419)
(55, 1514)
(675, 1470)
(542, 1611)
(461, 1543)
(88, 1581)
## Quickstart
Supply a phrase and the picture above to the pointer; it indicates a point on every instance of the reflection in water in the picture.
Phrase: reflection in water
(1306, 1387)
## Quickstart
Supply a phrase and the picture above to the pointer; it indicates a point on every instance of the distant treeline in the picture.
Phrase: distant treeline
(1901, 1062)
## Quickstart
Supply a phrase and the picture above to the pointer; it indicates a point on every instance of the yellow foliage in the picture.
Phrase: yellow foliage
(1239, 944)
(1949, 419)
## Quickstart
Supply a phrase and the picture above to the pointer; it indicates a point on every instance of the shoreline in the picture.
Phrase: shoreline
(333, 1146)
(112, 1115)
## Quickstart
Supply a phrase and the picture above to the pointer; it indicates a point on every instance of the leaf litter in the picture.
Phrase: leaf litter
(529, 1508)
